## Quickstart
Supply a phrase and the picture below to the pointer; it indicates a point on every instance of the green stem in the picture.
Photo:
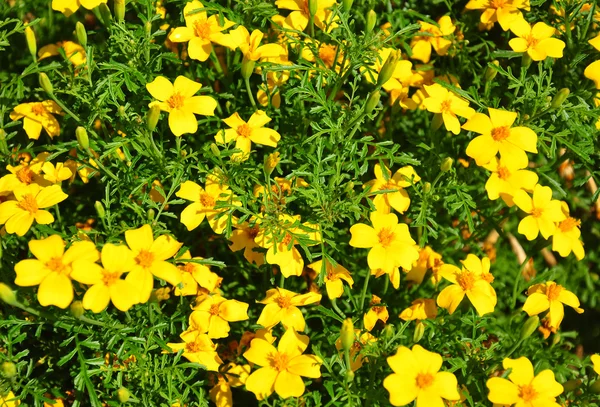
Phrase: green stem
(337, 309)
(217, 63)
(364, 291)
(518, 280)
(66, 109)
(250, 95)
(101, 166)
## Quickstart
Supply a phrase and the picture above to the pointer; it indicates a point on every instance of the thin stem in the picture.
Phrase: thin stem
(336, 308)
(364, 291)
(250, 95)
(101, 166)
(217, 63)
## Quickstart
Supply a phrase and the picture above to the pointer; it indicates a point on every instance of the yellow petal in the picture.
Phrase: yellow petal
(522, 370)
(160, 88)
(56, 289)
(262, 382)
(139, 239)
(502, 391)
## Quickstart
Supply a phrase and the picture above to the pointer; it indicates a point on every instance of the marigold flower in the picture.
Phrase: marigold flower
(473, 280)
(421, 44)
(398, 199)
(242, 237)
(37, 116)
(26, 173)
(195, 275)
(507, 178)
(244, 134)
(428, 259)
(596, 362)
(393, 274)
(566, 236)
(552, 296)
(56, 174)
(422, 308)
(178, 99)
(68, 7)
(497, 135)
(105, 280)
(202, 31)
(376, 313)
(150, 255)
(213, 314)
(441, 101)
(9, 400)
(417, 376)
(29, 204)
(524, 388)
(198, 348)
(282, 306)
(250, 46)
(504, 12)
(51, 269)
(74, 52)
(543, 212)
(592, 72)
(334, 277)
(360, 342)
(390, 242)
(300, 15)
(232, 376)
(537, 41)
(282, 367)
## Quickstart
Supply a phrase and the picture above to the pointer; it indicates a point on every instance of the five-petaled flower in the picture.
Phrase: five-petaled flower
(447, 104)
(536, 41)
(396, 196)
(282, 306)
(213, 314)
(37, 116)
(550, 296)
(543, 212)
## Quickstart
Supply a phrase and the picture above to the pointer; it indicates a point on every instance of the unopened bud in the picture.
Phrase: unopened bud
(150, 214)
(105, 14)
(427, 187)
(373, 101)
(529, 327)
(148, 28)
(7, 294)
(446, 164)
(313, 6)
(490, 73)
(526, 61)
(388, 332)
(388, 68)
(152, 118)
(347, 334)
(573, 384)
(595, 387)
(9, 370)
(247, 68)
(419, 332)
(31, 42)
(82, 138)
(556, 339)
(120, 10)
(46, 84)
(99, 209)
(123, 395)
(349, 375)
(215, 150)
(122, 111)
(371, 21)
(81, 34)
(437, 121)
(271, 162)
(559, 98)
(347, 5)
(76, 309)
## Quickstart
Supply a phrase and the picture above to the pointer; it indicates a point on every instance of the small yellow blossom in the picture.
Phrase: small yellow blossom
(250, 46)
(421, 44)
(397, 198)
(282, 306)
(244, 134)
(230, 376)
(504, 12)
(422, 308)
(447, 104)
(9, 400)
(566, 237)
(198, 348)
(68, 7)
(56, 174)
(552, 296)
(543, 212)
(376, 313)
(242, 237)
(596, 362)
(360, 342)
(37, 116)
(300, 15)
(26, 173)
(334, 276)
(213, 314)
(507, 178)
(195, 275)
(428, 260)
(537, 41)
(73, 51)
(592, 72)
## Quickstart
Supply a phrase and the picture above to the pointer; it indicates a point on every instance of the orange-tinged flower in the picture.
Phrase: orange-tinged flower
(230, 376)
(282, 306)
(198, 348)
(300, 16)
(195, 275)
(566, 236)
(507, 178)
(244, 134)
(282, 367)
(29, 204)
(178, 99)
(552, 296)
(417, 377)
(73, 51)
(473, 280)
(24, 174)
(37, 116)
(242, 237)
(397, 198)
(68, 7)
(422, 308)
(537, 41)
(377, 312)
(428, 260)
(497, 135)
(334, 277)
(442, 101)
(250, 46)
(51, 269)
(592, 72)
(213, 314)
(596, 362)
(421, 44)
(504, 12)
(543, 212)
(360, 342)
(523, 388)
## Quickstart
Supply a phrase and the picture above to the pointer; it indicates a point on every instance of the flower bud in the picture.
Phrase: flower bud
(313, 6)
(349, 375)
(347, 5)
(150, 214)
(572, 384)
(388, 332)
(271, 162)
(81, 34)
(388, 68)
(148, 28)
(82, 138)
(371, 21)
(152, 118)
(9, 370)
(347, 334)
(446, 164)
(427, 187)
(76, 309)
(559, 98)
(123, 395)
(46, 84)
(372, 102)
(247, 68)
(529, 327)
(595, 387)
(419, 331)
(437, 121)
(215, 150)
(556, 339)
(99, 209)
(31, 42)
(490, 73)
(7, 294)
(120, 10)
(525, 61)
(105, 14)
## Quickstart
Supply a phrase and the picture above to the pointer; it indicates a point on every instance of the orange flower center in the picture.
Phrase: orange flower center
(488, 277)
(188, 268)
(503, 173)
(527, 393)
(244, 130)
(25, 175)
(109, 278)
(327, 54)
(388, 185)
(500, 133)
(553, 291)
(55, 264)
(202, 29)
(386, 237)
(331, 276)
(283, 301)
(378, 309)
(536, 212)
(38, 109)
(424, 380)
(252, 232)
(207, 201)
(531, 41)
(176, 101)
(279, 361)
(465, 280)
(214, 309)
(145, 258)
(287, 239)
(28, 203)
(568, 224)
(497, 3)
(305, 9)
(193, 347)
(446, 106)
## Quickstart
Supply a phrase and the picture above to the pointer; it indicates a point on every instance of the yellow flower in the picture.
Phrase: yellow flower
(198, 348)
(537, 41)
(56, 174)
(195, 274)
(524, 388)
(506, 179)
(204, 202)
(68, 7)
(282, 306)
(178, 99)
(242, 237)
(596, 362)
(231, 375)
(398, 198)
(150, 256)
(9, 400)
(334, 275)
(376, 313)
(105, 280)
(202, 31)
(244, 134)
(592, 72)
(37, 116)
(422, 308)
(421, 44)
(29, 204)
(299, 17)
(552, 296)
(52, 267)
(566, 236)
(390, 242)
(250, 46)
(213, 314)
(428, 259)
(401, 78)
(473, 281)
(282, 367)
(417, 377)
(360, 342)
(441, 101)
(73, 51)
(543, 212)
(504, 12)
(270, 91)
(24, 174)
(498, 135)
